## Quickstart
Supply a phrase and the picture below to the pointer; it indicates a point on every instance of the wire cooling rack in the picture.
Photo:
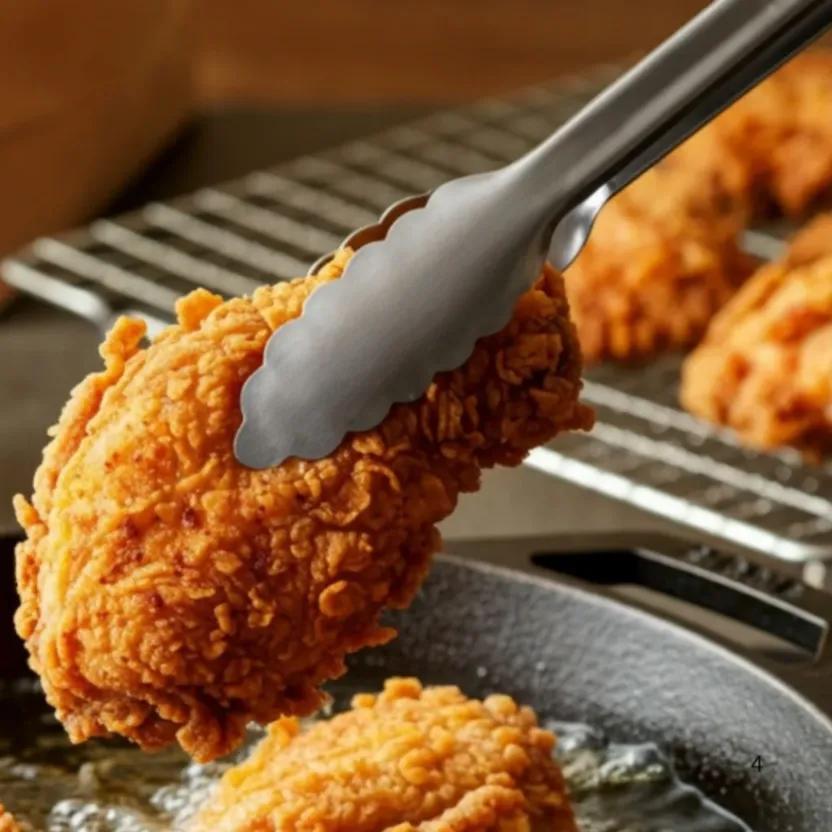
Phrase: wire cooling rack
(272, 224)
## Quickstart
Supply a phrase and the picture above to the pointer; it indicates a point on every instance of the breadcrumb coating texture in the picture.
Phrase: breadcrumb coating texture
(764, 368)
(410, 759)
(169, 594)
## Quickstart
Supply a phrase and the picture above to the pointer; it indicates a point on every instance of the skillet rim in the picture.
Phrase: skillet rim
(768, 672)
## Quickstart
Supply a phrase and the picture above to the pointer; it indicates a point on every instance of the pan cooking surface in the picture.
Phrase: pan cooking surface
(113, 787)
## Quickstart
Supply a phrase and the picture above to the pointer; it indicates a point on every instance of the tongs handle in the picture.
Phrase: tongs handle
(709, 63)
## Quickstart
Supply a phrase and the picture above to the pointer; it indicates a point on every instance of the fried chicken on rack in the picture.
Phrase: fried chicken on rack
(783, 129)
(410, 759)
(663, 256)
(764, 368)
(6, 295)
(170, 594)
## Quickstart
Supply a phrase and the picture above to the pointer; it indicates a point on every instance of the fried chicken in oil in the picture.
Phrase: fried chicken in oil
(409, 759)
(764, 368)
(783, 128)
(170, 594)
(667, 242)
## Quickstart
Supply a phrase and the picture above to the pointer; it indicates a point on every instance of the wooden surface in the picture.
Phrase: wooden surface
(369, 51)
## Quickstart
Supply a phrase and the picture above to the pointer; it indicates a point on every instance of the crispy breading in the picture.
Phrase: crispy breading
(410, 759)
(667, 242)
(170, 594)
(764, 368)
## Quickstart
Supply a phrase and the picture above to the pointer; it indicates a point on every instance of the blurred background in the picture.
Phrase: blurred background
(92, 90)
(436, 51)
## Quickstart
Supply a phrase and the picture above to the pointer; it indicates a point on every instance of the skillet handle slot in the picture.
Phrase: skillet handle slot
(733, 586)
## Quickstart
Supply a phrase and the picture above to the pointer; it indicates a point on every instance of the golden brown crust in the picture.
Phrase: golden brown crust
(764, 368)
(170, 594)
(409, 759)
(668, 242)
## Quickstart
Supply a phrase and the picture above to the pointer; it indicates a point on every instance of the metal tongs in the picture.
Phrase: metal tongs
(439, 272)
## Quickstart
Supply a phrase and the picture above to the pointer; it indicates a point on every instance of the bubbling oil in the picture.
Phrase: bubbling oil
(50, 785)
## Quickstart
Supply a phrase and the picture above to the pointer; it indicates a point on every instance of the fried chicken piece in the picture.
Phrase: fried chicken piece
(408, 759)
(764, 368)
(170, 594)
(663, 256)
(783, 128)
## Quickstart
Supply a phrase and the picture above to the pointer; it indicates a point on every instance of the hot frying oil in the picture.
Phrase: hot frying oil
(53, 786)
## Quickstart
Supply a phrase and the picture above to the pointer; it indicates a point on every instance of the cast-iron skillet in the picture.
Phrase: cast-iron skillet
(539, 621)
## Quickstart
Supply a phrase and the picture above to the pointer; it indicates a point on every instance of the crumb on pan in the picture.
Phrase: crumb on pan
(169, 594)
(410, 759)
(764, 369)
